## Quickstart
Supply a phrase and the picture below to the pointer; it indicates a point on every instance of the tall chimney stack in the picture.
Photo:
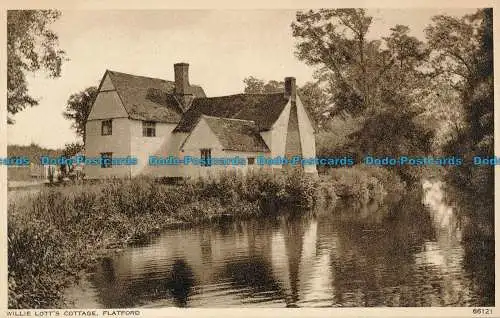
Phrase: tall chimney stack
(181, 71)
(290, 88)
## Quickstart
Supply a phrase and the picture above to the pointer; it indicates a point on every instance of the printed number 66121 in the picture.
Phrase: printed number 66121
(482, 311)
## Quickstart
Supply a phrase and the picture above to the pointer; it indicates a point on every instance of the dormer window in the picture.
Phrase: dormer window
(148, 129)
(107, 127)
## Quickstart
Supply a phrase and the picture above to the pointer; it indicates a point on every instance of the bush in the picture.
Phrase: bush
(36, 265)
(299, 190)
(363, 183)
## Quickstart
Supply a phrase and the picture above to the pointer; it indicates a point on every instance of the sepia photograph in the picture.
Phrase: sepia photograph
(220, 158)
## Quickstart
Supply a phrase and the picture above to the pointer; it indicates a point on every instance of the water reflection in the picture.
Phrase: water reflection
(181, 282)
(404, 254)
(254, 278)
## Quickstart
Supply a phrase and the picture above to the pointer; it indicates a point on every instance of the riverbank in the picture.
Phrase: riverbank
(59, 232)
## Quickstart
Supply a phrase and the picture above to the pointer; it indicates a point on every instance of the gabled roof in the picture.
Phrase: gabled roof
(262, 109)
(236, 134)
(147, 98)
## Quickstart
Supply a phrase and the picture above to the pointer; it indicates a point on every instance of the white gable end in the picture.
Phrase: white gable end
(275, 138)
(107, 104)
(201, 137)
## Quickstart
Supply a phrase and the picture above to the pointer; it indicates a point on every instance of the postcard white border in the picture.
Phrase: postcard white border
(254, 4)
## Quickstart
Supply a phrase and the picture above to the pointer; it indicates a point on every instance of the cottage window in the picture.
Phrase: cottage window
(251, 160)
(206, 156)
(149, 129)
(107, 127)
(106, 159)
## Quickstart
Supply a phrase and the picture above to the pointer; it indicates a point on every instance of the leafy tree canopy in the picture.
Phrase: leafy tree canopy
(31, 47)
(362, 75)
(78, 108)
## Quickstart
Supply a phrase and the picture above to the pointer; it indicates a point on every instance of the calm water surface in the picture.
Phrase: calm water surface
(408, 254)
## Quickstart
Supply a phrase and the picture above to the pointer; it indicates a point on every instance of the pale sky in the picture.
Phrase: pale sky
(222, 48)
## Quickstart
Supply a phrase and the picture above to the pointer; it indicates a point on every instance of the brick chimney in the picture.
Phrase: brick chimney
(181, 71)
(182, 88)
(290, 88)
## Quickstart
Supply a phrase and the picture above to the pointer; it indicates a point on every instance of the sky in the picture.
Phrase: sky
(222, 47)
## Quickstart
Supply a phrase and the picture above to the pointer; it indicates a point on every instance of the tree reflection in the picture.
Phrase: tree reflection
(479, 247)
(180, 283)
(373, 263)
(108, 270)
(404, 260)
(256, 274)
(149, 286)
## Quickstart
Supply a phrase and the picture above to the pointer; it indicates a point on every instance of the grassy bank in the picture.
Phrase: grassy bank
(57, 233)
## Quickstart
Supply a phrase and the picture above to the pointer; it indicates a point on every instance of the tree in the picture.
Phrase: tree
(31, 47)
(316, 102)
(70, 150)
(379, 81)
(335, 42)
(442, 112)
(78, 108)
(362, 75)
(468, 54)
(456, 44)
(257, 86)
(463, 47)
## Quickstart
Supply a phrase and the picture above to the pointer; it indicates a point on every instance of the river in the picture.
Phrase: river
(410, 253)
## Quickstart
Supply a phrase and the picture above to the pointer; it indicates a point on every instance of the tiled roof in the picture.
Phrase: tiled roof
(147, 98)
(237, 134)
(262, 109)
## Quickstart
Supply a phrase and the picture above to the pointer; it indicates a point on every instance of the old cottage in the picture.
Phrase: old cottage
(141, 117)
